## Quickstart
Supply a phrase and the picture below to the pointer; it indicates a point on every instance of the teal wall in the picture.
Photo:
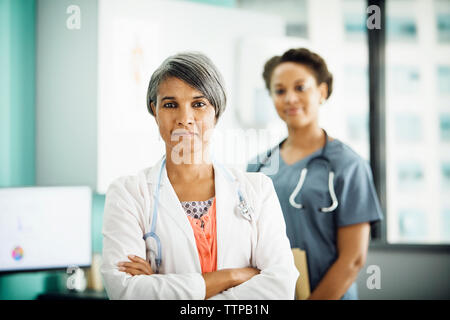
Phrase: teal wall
(17, 65)
(17, 133)
(17, 114)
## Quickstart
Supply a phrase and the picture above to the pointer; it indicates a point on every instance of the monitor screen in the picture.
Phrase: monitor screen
(44, 228)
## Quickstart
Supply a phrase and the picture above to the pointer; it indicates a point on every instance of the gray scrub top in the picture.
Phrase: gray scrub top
(310, 229)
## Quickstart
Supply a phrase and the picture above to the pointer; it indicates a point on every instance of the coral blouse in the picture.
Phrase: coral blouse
(204, 227)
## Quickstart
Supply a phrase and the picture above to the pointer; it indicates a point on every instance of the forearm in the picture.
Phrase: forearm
(260, 288)
(188, 286)
(336, 281)
(218, 281)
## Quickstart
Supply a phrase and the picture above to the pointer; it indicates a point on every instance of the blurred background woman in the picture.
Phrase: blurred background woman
(325, 189)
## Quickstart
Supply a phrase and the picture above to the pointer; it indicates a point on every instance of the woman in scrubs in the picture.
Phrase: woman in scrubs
(335, 242)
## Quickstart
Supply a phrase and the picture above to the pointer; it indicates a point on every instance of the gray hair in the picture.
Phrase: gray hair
(195, 69)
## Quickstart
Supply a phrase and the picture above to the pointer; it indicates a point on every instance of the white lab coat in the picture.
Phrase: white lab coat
(127, 218)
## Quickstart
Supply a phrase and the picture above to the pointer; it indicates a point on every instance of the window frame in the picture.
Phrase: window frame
(377, 133)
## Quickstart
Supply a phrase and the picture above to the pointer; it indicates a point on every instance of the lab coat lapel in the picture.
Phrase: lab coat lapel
(226, 201)
(169, 204)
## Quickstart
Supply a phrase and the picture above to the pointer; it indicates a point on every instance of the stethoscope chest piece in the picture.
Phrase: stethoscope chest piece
(244, 210)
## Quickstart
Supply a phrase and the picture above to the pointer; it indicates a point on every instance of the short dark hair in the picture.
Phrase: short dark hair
(198, 71)
(305, 57)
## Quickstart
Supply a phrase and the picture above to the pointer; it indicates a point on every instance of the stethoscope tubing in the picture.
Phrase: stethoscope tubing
(152, 232)
(303, 174)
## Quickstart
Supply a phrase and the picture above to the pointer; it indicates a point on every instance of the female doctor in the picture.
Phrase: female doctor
(325, 189)
(187, 228)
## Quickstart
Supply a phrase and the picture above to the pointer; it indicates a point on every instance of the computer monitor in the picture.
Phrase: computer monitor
(44, 228)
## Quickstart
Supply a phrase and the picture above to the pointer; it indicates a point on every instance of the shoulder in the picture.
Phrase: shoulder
(256, 183)
(346, 161)
(129, 185)
(258, 189)
(253, 178)
(127, 196)
(126, 203)
(343, 155)
(255, 162)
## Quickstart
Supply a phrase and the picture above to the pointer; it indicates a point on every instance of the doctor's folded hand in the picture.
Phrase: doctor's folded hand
(189, 228)
(135, 266)
(138, 265)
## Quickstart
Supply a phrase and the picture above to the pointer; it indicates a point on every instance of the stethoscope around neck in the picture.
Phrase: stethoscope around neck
(303, 174)
(243, 208)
